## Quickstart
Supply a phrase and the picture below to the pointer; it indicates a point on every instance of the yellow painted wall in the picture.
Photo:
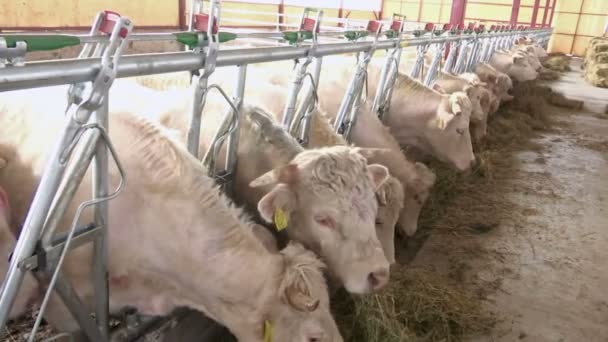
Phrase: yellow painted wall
(66, 13)
(576, 22)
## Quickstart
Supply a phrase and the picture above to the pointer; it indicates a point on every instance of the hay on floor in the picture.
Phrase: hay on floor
(418, 305)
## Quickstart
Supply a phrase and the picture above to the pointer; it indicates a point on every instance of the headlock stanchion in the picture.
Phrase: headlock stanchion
(205, 23)
(390, 69)
(465, 46)
(307, 24)
(85, 140)
(421, 50)
(349, 107)
(454, 46)
(38, 249)
(439, 51)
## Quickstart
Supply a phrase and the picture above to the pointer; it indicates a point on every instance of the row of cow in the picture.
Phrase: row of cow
(176, 240)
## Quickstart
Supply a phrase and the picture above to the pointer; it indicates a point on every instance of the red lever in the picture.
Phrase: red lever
(373, 25)
(309, 25)
(493, 27)
(460, 27)
(447, 27)
(429, 27)
(396, 25)
(109, 20)
(201, 21)
(471, 26)
(482, 26)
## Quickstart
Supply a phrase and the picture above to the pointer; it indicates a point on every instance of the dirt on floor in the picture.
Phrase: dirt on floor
(542, 270)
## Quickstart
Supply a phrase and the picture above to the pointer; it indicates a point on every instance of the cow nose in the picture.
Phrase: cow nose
(378, 279)
(316, 337)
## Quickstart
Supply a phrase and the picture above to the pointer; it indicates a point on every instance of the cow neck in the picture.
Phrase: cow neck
(240, 278)
(413, 108)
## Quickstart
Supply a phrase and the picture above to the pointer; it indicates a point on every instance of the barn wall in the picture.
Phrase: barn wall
(80, 13)
(576, 22)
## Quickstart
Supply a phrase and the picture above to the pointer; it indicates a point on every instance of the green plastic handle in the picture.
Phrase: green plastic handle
(191, 38)
(294, 36)
(45, 42)
(354, 35)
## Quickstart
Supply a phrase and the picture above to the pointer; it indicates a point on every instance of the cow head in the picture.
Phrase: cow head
(416, 193)
(328, 194)
(505, 86)
(450, 139)
(390, 203)
(301, 312)
(520, 69)
(529, 53)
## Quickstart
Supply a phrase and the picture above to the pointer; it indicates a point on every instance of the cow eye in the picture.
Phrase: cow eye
(326, 221)
(379, 223)
(460, 131)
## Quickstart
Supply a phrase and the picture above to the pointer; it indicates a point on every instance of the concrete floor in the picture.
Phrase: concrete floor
(549, 272)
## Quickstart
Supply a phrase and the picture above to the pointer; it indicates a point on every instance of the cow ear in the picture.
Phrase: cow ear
(370, 152)
(301, 266)
(281, 197)
(438, 88)
(518, 59)
(287, 174)
(378, 174)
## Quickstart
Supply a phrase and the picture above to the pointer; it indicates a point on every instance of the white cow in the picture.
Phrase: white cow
(330, 202)
(478, 94)
(515, 65)
(174, 238)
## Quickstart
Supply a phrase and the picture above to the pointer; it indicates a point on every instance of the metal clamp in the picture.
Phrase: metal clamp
(309, 25)
(390, 69)
(449, 65)
(199, 81)
(347, 113)
(91, 99)
(439, 51)
(421, 51)
(103, 24)
(13, 56)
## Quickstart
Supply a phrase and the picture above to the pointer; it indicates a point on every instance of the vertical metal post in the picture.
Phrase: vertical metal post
(233, 139)
(462, 55)
(458, 12)
(281, 15)
(100, 249)
(300, 127)
(545, 13)
(515, 11)
(552, 13)
(535, 13)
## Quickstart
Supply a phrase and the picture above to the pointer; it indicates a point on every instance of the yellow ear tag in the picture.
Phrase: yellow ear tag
(267, 331)
(281, 219)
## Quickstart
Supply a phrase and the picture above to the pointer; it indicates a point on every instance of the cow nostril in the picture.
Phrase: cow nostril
(378, 279)
(318, 337)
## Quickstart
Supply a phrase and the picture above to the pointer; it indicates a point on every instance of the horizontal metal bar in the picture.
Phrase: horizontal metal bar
(81, 236)
(48, 73)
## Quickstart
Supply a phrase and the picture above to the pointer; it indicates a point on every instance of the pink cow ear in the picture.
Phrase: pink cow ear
(281, 197)
(379, 174)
